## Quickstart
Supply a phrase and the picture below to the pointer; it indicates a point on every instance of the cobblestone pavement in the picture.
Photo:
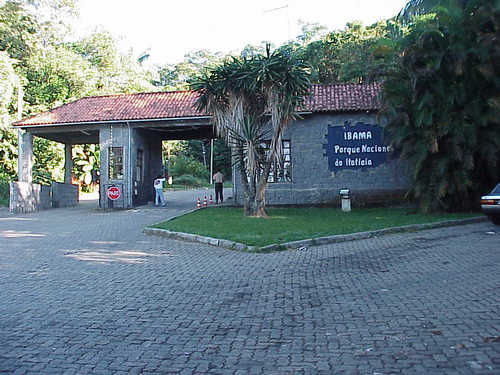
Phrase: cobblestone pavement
(85, 292)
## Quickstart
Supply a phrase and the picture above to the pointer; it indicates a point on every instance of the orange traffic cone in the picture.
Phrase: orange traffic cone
(211, 201)
(205, 201)
(198, 205)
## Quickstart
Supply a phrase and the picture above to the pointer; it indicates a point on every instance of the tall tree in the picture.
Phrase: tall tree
(18, 31)
(177, 76)
(115, 72)
(352, 54)
(9, 82)
(252, 100)
(55, 76)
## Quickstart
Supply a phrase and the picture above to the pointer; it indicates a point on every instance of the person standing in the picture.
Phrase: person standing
(158, 185)
(219, 182)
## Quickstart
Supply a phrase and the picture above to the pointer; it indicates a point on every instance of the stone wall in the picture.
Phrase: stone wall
(45, 197)
(64, 195)
(27, 197)
(313, 183)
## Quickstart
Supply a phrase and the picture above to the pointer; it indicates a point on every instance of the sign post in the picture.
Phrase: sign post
(355, 147)
(113, 193)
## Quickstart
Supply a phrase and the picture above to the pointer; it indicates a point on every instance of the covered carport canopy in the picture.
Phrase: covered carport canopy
(167, 115)
(84, 133)
(136, 123)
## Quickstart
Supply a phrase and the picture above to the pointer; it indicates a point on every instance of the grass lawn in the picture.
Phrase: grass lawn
(291, 224)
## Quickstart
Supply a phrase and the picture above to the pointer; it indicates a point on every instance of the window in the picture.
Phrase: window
(115, 166)
(282, 173)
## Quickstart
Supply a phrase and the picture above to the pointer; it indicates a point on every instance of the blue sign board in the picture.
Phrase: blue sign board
(357, 146)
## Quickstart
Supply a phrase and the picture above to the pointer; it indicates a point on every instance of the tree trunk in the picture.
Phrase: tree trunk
(260, 201)
(255, 206)
(244, 184)
(255, 202)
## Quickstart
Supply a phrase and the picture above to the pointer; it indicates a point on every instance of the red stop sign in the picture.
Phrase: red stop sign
(113, 193)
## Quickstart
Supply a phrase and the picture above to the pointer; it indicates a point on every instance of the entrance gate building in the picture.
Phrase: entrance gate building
(129, 129)
(337, 143)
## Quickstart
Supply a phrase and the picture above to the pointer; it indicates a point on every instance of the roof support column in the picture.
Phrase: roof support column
(68, 163)
(25, 156)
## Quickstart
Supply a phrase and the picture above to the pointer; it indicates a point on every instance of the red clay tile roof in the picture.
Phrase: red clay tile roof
(180, 104)
(343, 98)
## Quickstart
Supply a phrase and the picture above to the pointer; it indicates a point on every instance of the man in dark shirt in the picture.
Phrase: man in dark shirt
(219, 182)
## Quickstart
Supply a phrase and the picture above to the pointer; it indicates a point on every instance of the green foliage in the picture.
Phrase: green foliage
(222, 158)
(8, 140)
(8, 83)
(4, 188)
(113, 72)
(177, 76)
(355, 54)
(197, 149)
(184, 165)
(4, 193)
(47, 161)
(222, 154)
(85, 165)
(442, 104)
(188, 181)
(55, 77)
(8, 152)
(17, 31)
(311, 32)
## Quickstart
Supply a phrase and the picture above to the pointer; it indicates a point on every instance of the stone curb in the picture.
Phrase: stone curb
(231, 245)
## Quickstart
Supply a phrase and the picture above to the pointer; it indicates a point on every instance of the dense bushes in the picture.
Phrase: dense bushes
(4, 190)
(187, 180)
(183, 165)
(441, 104)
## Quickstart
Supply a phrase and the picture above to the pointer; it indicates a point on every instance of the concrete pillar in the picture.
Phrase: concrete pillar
(25, 156)
(68, 163)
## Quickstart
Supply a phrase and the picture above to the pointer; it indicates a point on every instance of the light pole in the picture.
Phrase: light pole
(211, 160)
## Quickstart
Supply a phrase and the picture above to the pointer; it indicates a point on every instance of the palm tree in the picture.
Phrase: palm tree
(252, 99)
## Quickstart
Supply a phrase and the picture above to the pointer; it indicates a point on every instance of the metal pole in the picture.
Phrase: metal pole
(20, 156)
(203, 152)
(211, 160)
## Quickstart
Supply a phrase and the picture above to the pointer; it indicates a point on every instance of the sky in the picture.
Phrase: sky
(171, 28)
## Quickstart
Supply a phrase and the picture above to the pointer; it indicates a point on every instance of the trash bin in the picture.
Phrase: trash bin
(345, 199)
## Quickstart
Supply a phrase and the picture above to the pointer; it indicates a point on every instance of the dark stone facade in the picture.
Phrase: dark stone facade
(314, 183)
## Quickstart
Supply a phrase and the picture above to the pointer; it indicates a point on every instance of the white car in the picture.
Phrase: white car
(490, 204)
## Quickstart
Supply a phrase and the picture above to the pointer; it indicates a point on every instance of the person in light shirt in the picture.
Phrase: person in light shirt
(158, 185)
(219, 182)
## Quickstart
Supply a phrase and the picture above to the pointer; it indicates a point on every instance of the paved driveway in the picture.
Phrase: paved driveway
(85, 292)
